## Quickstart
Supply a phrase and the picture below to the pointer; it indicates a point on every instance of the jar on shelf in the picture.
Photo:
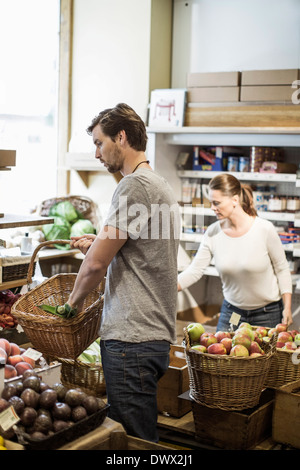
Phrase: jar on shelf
(256, 158)
(292, 204)
(274, 204)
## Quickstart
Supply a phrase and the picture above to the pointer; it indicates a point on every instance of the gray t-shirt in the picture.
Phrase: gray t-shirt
(141, 283)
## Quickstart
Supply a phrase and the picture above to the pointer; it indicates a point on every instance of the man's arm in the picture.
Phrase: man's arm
(93, 268)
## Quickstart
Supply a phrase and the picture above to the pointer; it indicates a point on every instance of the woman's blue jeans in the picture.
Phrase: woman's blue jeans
(131, 372)
(268, 316)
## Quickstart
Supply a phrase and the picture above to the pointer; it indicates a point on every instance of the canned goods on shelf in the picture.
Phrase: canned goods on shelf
(233, 164)
(244, 164)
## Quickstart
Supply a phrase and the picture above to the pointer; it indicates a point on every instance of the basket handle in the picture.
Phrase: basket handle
(37, 249)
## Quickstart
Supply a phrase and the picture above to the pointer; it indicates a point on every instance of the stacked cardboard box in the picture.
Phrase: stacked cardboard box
(268, 85)
(7, 158)
(213, 87)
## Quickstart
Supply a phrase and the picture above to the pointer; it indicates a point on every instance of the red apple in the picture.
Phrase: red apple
(281, 327)
(22, 366)
(279, 344)
(207, 338)
(262, 331)
(195, 330)
(271, 332)
(227, 343)
(3, 354)
(5, 344)
(9, 372)
(284, 337)
(242, 339)
(14, 349)
(258, 338)
(28, 359)
(13, 360)
(294, 333)
(290, 346)
(222, 334)
(255, 348)
(216, 348)
(239, 350)
(246, 331)
(199, 347)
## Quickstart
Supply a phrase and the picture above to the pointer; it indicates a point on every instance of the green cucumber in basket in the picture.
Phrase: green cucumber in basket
(63, 311)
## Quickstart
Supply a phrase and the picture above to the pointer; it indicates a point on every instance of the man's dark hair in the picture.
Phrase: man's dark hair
(122, 117)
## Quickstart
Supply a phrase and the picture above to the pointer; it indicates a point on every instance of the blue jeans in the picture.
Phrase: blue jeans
(131, 372)
(268, 316)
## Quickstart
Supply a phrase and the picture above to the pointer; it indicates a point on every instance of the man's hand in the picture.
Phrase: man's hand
(83, 242)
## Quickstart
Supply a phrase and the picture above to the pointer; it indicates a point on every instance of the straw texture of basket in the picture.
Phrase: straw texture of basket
(284, 368)
(48, 333)
(89, 377)
(226, 382)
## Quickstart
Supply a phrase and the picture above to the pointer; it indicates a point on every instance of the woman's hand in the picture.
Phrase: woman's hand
(83, 242)
(287, 317)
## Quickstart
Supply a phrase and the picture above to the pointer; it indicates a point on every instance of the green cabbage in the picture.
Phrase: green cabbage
(65, 209)
(81, 227)
(60, 229)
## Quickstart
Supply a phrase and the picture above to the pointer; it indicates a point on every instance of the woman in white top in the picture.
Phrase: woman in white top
(248, 255)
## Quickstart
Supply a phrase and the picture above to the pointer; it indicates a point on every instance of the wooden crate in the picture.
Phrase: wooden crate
(234, 430)
(286, 415)
(174, 383)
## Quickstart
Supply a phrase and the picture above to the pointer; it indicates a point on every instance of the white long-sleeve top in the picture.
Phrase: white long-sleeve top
(253, 267)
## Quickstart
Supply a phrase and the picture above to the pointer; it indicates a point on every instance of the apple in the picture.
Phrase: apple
(3, 355)
(242, 339)
(216, 348)
(271, 332)
(262, 331)
(247, 332)
(244, 324)
(199, 347)
(14, 349)
(5, 344)
(255, 348)
(255, 355)
(22, 366)
(207, 338)
(290, 346)
(281, 327)
(222, 334)
(284, 336)
(239, 350)
(297, 339)
(294, 333)
(279, 344)
(258, 338)
(195, 330)
(227, 343)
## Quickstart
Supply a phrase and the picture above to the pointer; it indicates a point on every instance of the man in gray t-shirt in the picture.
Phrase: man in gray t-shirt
(137, 251)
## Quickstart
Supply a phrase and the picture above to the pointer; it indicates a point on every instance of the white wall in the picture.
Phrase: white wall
(227, 35)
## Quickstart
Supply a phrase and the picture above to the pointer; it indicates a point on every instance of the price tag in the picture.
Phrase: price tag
(33, 354)
(235, 318)
(8, 418)
(19, 329)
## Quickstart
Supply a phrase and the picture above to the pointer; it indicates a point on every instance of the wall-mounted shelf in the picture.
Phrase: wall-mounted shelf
(13, 220)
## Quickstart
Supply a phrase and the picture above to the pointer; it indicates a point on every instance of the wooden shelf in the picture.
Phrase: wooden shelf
(13, 220)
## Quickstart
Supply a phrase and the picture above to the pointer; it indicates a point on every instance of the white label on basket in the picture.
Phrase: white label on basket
(8, 418)
(19, 329)
(33, 354)
(235, 318)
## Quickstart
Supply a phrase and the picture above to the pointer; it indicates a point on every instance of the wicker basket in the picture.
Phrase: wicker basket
(226, 382)
(48, 333)
(89, 377)
(83, 204)
(284, 368)
(15, 268)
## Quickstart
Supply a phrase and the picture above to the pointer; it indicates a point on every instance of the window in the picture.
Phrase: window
(29, 54)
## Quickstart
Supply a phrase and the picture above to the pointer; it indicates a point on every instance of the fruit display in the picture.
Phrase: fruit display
(45, 410)
(246, 341)
(287, 340)
(16, 360)
(7, 299)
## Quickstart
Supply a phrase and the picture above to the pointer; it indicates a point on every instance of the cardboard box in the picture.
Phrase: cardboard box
(213, 94)
(286, 415)
(234, 430)
(270, 77)
(267, 93)
(7, 158)
(174, 383)
(213, 79)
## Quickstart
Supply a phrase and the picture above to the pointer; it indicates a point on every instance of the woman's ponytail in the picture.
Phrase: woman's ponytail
(246, 200)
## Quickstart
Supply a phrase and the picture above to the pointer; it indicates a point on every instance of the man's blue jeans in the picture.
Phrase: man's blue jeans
(131, 372)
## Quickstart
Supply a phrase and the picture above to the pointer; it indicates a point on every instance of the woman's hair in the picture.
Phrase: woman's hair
(122, 117)
(231, 186)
